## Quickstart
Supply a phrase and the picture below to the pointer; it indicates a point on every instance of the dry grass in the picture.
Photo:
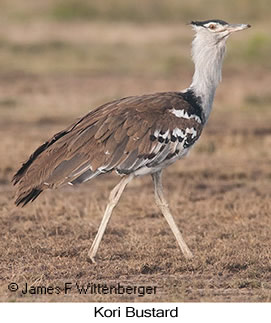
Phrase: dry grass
(51, 73)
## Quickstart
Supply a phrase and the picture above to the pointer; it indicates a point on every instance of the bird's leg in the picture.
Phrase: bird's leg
(114, 197)
(162, 204)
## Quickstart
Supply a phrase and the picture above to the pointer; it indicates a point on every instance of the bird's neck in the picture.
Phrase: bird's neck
(208, 58)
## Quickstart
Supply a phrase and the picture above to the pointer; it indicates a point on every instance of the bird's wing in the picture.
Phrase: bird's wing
(124, 135)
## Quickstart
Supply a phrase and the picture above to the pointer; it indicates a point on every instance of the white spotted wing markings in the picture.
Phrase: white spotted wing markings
(183, 114)
(170, 142)
(192, 131)
(169, 145)
(176, 132)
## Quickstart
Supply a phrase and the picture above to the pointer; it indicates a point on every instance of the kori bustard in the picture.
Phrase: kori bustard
(133, 136)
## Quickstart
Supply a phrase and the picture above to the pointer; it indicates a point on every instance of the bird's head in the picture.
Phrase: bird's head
(208, 49)
(215, 31)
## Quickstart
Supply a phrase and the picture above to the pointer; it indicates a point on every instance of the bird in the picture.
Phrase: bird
(133, 136)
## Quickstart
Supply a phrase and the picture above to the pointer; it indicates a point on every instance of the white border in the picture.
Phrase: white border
(84, 312)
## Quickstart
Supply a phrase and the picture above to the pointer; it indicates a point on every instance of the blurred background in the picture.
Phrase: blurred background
(61, 58)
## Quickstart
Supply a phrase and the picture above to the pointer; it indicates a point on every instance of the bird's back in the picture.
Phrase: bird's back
(138, 134)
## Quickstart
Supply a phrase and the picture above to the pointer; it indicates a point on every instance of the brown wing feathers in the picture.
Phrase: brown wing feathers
(118, 135)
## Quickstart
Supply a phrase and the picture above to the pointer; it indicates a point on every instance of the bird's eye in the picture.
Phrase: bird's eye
(212, 26)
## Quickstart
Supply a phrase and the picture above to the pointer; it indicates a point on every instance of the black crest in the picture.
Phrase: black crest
(202, 23)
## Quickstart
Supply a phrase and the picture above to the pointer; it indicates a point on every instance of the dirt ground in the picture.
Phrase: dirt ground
(219, 194)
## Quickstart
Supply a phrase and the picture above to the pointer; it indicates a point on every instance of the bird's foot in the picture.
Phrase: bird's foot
(188, 255)
(91, 259)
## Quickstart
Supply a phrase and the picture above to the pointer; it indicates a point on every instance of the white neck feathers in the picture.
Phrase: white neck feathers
(208, 57)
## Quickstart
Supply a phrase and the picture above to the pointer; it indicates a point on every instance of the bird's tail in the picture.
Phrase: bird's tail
(28, 196)
(29, 177)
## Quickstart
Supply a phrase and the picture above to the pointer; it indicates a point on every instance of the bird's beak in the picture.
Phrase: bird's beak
(237, 27)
